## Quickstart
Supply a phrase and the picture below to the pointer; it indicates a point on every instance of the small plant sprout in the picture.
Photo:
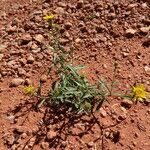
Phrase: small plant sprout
(139, 92)
(72, 90)
(29, 90)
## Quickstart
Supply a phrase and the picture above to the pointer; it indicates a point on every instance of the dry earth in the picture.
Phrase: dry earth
(102, 32)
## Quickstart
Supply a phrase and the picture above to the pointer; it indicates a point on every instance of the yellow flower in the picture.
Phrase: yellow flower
(29, 90)
(139, 92)
(48, 17)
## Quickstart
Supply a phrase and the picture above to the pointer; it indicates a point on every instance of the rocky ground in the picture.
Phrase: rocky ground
(102, 32)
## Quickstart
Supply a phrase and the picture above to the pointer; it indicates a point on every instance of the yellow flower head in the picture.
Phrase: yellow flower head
(29, 90)
(139, 92)
(48, 17)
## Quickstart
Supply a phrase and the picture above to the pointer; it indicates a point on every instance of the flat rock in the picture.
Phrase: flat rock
(26, 37)
(39, 38)
(64, 41)
(103, 113)
(145, 30)
(77, 40)
(16, 82)
(126, 103)
(30, 59)
(130, 32)
(51, 134)
(59, 10)
(147, 69)
(43, 78)
(1, 56)
(45, 145)
(122, 117)
(10, 118)
(144, 5)
(61, 4)
(90, 144)
(10, 139)
(2, 48)
(34, 46)
(10, 29)
(131, 6)
(68, 25)
(21, 129)
(11, 63)
(21, 71)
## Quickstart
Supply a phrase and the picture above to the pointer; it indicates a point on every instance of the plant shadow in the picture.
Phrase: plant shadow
(56, 125)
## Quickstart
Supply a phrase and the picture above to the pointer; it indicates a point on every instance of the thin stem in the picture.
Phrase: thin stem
(113, 80)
